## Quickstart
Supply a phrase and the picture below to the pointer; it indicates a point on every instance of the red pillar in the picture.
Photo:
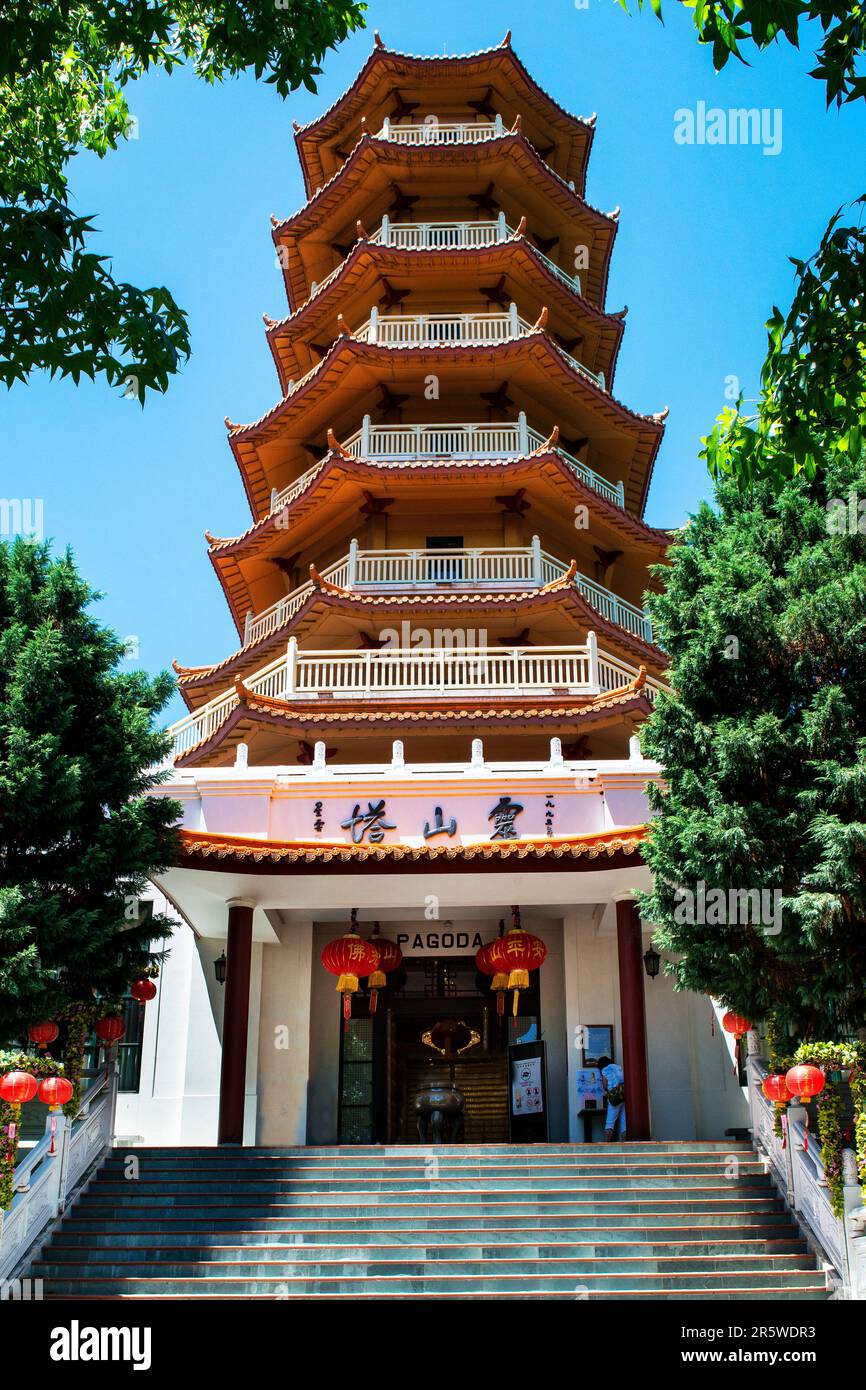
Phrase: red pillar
(236, 1017)
(633, 1014)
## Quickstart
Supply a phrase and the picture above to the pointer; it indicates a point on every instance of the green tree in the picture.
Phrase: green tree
(78, 834)
(764, 740)
(65, 66)
(734, 27)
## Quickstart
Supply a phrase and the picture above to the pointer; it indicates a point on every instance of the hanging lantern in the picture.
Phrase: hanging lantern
(804, 1082)
(142, 990)
(17, 1087)
(736, 1024)
(43, 1033)
(390, 959)
(351, 960)
(55, 1091)
(499, 982)
(775, 1088)
(517, 953)
(110, 1029)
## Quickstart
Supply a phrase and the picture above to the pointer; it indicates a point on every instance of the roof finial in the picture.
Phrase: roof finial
(518, 124)
(230, 424)
(662, 414)
(269, 322)
(614, 216)
(345, 331)
(296, 125)
(541, 321)
(377, 39)
(506, 41)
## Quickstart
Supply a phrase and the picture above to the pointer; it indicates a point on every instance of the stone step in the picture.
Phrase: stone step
(390, 1204)
(433, 1168)
(479, 1284)
(817, 1293)
(204, 1190)
(347, 1265)
(648, 1240)
(356, 1153)
(772, 1221)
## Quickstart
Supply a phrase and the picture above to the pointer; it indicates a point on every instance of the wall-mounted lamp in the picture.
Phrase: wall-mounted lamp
(219, 969)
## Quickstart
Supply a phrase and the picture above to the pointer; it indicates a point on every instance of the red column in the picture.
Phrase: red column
(236, 1017)
(633, 1014)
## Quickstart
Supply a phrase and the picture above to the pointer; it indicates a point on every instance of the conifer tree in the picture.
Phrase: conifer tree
(763, 741)
(78, 835)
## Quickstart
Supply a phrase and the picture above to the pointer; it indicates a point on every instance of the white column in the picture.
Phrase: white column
(284, 1035)
(291, 666)
(592, 653)
(365, 437)
(513, 322)
(522, 433)
(536, 561)
(386, 230)
(373, 332)
(353, 556)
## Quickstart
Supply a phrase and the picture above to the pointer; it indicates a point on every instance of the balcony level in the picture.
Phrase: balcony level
(456, 236)
(419, 673)
(432, 131)
(440, 571)
(474, 329)
(412, 443)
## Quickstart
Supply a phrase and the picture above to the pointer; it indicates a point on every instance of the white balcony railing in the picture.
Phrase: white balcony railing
(416, 330)
(491, 567)
(435, 132)
(415, 673)
(435, 330)
(457, 236)
(395, 443)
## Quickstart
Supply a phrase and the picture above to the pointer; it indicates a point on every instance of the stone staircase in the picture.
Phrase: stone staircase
(658, 1220)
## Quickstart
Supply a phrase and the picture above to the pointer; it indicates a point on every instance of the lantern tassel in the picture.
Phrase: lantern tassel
(347, 984)
(374, 1000)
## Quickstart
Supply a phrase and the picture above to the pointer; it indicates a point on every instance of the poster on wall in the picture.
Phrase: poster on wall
(590, 1092)
(527, 1073)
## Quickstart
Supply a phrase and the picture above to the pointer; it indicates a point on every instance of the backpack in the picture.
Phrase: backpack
(616, 1094)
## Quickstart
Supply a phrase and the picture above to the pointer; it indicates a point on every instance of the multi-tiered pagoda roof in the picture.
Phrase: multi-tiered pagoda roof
(447, 535)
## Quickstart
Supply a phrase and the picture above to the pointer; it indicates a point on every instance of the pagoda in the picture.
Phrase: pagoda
(442, 656)
(446, 537)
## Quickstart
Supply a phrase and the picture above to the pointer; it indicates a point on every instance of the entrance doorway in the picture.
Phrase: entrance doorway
(384, 1063)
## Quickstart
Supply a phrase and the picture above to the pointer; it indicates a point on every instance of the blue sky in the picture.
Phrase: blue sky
(700, 258)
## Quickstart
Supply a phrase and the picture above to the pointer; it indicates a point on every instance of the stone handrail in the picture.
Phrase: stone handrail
(50, 1175)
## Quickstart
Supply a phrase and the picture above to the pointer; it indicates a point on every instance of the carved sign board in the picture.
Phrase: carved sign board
(436, 939)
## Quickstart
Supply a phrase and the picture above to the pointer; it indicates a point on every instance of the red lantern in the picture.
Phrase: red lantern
(55, 1091)
(499, 983)
(804, 1081)
(110, 1029)
(775, 1089)
(517, 953)
(17, 1087)
(351, 960)
(390, 959)
(142, 990)
(43, 1033)
(736, 1024)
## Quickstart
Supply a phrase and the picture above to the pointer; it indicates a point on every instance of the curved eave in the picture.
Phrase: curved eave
(329, 200)
(647, 430)
(227, 556)
(610, 850)
(318, 314)
(305, 719)
(200, 684)
(385, 64)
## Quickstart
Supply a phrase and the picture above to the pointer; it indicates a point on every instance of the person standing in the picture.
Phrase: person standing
(613, 1085)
